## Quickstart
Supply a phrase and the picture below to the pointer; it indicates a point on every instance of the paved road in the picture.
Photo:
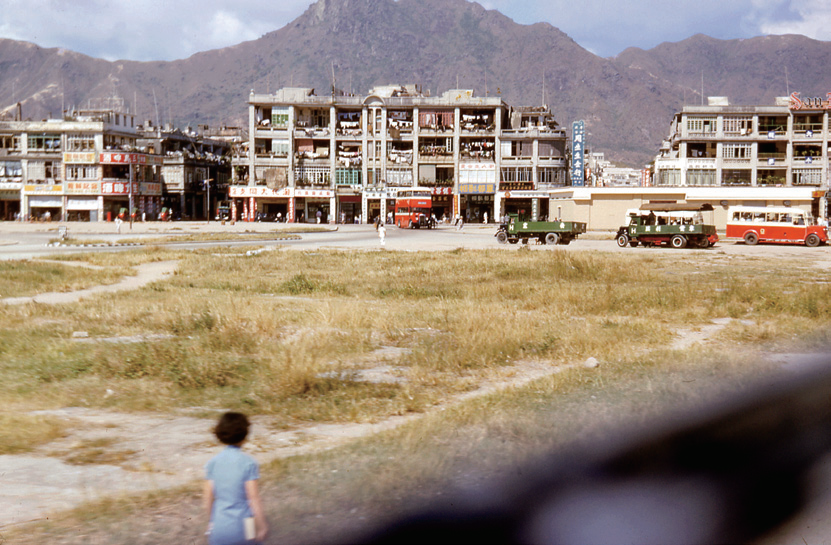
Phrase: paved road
(30, 240)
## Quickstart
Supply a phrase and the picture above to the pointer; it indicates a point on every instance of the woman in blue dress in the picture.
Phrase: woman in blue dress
(231, 495)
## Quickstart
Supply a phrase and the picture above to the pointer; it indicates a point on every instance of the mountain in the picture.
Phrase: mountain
(627, 101)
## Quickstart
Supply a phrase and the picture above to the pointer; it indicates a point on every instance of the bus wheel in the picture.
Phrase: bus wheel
(678, 241)
(623, 240)
(501, 237)
(552, 238)
(410, 226)
(751, 238)
(812, 240)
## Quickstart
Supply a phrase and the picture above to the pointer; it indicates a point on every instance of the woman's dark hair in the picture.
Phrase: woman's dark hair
(232, 428)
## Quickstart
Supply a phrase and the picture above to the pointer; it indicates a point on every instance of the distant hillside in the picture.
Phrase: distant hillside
(626, 101)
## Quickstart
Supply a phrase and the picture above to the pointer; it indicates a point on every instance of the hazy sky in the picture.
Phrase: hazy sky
(166, 30)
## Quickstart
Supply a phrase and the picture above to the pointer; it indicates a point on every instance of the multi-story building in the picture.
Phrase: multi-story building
(84, 166)
(347, 156)
(196, 166)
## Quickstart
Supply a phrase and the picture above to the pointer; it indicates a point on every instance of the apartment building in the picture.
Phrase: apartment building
(196, 166)
(347, 156)
(719, 145)
(84, 166)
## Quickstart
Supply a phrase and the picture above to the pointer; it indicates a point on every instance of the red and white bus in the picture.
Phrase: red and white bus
(756, 224)
(414, 208)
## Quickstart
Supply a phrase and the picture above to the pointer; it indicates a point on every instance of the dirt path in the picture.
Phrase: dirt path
(147, 273)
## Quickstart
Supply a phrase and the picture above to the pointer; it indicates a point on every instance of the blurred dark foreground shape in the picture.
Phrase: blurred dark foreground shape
(727, 474)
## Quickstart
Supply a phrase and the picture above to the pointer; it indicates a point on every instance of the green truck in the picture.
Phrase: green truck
(546, 232)
(678, 225)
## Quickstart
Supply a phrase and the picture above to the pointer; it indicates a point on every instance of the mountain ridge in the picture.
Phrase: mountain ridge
(627, 101)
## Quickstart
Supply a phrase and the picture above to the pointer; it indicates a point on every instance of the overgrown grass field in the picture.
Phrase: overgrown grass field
(289, 333)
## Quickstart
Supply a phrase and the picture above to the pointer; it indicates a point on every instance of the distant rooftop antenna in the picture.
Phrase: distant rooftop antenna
(787, 82)
(702, 87)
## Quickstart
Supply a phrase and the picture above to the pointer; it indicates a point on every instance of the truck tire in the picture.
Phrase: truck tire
(812, 240)
(678, 241)
(633, 243)
(501, 237)
(751, 238)
(704, 242)
(513, 240)
(552, 238)
(623, 240)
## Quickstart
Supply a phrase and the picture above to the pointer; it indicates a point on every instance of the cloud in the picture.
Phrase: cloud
(810, 18)
(143, 29)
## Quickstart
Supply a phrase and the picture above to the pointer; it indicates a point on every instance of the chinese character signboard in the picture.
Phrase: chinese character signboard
(79, 158)
(85, 188)
(578, 138)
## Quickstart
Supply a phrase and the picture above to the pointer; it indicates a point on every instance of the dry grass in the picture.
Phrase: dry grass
(285, 333)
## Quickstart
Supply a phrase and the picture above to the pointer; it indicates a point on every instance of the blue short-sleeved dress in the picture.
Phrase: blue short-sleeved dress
(230, 470)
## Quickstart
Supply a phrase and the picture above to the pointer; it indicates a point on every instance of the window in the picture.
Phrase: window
(517, 174)
(667, 178)
(280, 147)
(312, 176)
(736, 177)
(551, 176)
(10, 142)
(807, 176)
(44, 142)
(701, 124)
(402, 177)
(736, 151)
(11, 169)
(742, 126)
(81, 172)
(701, 177)
(280, 117)
(80, 142)
(348, 176)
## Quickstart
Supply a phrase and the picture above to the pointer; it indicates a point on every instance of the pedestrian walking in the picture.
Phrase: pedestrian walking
(319, 215)
(118, 224)
(382, 234)
(231, 495)
(460, 222)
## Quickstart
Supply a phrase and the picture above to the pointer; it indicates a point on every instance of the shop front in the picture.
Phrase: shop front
(528, 205)
(250, 203)
(443, 203)
(311, 201)
(477, 186)
(9, 200)
(377, 203)
(116, 198)
(82, 202)
(43, 202)
(349, 208)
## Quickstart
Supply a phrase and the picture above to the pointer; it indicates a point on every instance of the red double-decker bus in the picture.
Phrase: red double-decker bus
(756, 224)
(414, 208)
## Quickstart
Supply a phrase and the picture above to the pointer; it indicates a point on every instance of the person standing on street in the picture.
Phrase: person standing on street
(231, 495)
(382, 233)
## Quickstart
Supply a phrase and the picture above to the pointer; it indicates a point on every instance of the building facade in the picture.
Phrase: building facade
(196, 166)
(84, 167)
(347, 156)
